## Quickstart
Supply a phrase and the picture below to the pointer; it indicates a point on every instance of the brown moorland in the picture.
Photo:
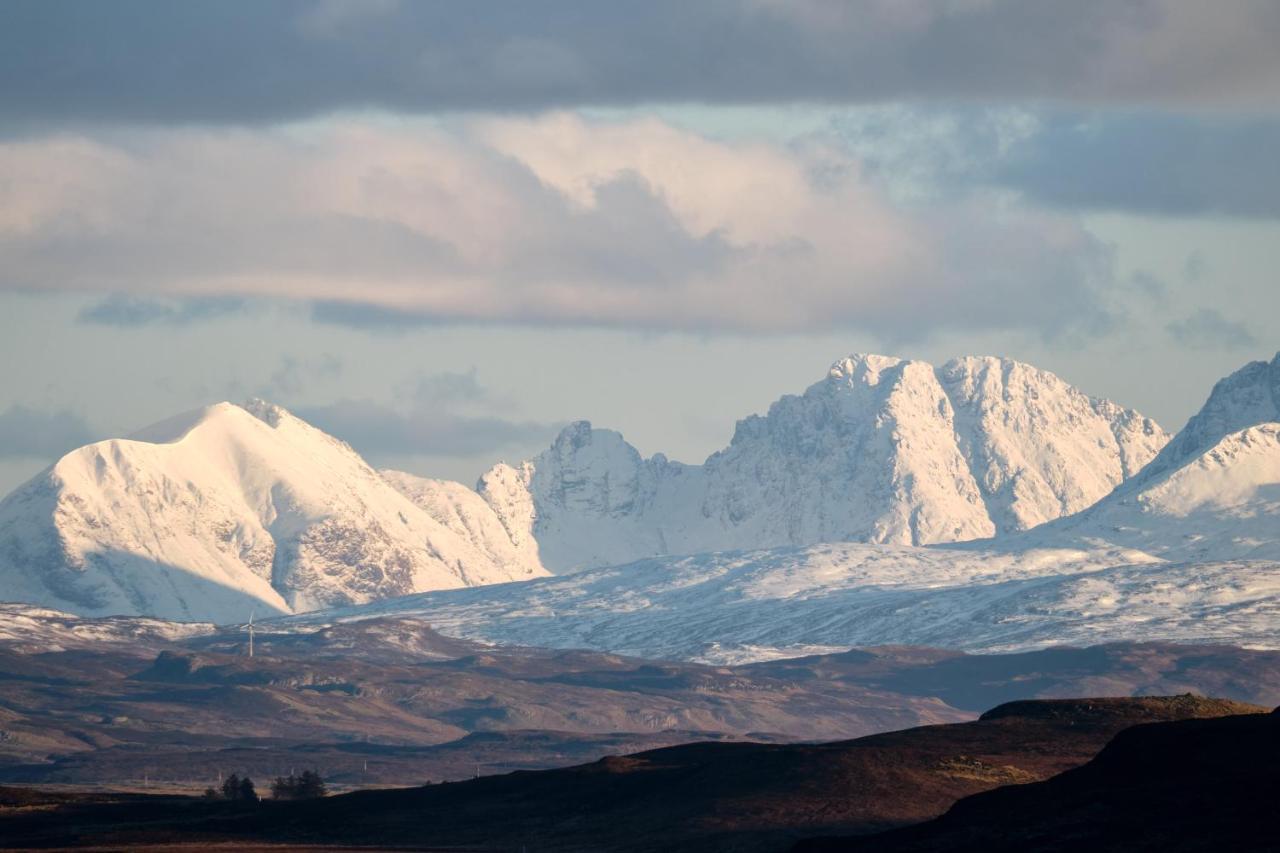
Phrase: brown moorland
(702, 796)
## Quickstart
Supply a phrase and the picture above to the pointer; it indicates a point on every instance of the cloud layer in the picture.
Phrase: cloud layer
(1146, 162)
(556, 220)
(248, 61)
(34, 433)
(1208, 329)
(1154, 164)
(121, 309)
(381, 431)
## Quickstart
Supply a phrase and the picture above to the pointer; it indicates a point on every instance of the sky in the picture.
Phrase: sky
(441, 231)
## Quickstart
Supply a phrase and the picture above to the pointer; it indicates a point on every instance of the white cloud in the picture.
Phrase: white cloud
(553, 220)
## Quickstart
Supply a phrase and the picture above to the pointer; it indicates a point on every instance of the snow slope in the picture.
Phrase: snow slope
(1248, 397)
(1221, 504)
(210, 514)
(1213, 493)
(882, 450)
(464, 512)
(735, 607)
(30, 630)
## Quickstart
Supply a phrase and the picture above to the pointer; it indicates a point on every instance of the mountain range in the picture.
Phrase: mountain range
(1184, 550)
(1042, 509)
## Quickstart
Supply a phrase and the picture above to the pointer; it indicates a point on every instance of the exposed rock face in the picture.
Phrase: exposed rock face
(882, 450)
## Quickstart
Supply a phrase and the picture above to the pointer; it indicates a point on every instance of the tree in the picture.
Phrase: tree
(311, 786)
(238, 790)
(231, 787)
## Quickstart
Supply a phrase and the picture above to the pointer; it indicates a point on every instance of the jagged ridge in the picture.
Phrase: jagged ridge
(882, 450)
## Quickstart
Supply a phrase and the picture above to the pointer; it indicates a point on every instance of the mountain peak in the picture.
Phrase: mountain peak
(882, 449)
(215, 511)
(269, 413)
(1247, 397)
(864, 367)
(575, 435)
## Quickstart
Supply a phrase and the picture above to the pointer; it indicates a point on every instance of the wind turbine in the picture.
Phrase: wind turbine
(251, 632)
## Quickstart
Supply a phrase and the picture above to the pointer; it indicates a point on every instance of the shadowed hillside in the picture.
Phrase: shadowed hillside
(1189, 785)
(704, 796)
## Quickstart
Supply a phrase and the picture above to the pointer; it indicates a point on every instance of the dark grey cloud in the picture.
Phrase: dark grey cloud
(27, 432)
(133, 311)
(362, 315)
(249, 61)
(1151, 162)
(1208, 329)
(1161, 164)
(379, 431)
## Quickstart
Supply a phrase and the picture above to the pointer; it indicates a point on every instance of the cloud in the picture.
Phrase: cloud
(243, 61)
(132, 311)
(362, 315)
(27, 432)
(1149, 285)
(293, 375)
(1208, 329)
(1150, 163)
(1147, 162)
(1196, 266)
(449, 387)
(549, 221)
(379, 431)
(440, 414)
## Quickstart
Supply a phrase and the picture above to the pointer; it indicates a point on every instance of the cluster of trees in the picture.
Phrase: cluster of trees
(234, 789)
(308, 786)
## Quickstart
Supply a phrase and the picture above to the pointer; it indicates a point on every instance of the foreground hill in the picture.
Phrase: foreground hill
(882, 450)
(225, 510)
(1191, 785)
(734, 796)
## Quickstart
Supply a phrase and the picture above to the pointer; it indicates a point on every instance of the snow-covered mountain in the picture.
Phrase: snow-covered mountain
(463, 511)
(1188, 549)
(1213, 493)
(882, 450)
(212, 513)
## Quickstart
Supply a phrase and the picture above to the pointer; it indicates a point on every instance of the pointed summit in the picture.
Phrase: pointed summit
(1213, 493)
(1247, 397)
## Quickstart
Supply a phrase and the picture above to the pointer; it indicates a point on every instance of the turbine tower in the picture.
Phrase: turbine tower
(250, 633)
